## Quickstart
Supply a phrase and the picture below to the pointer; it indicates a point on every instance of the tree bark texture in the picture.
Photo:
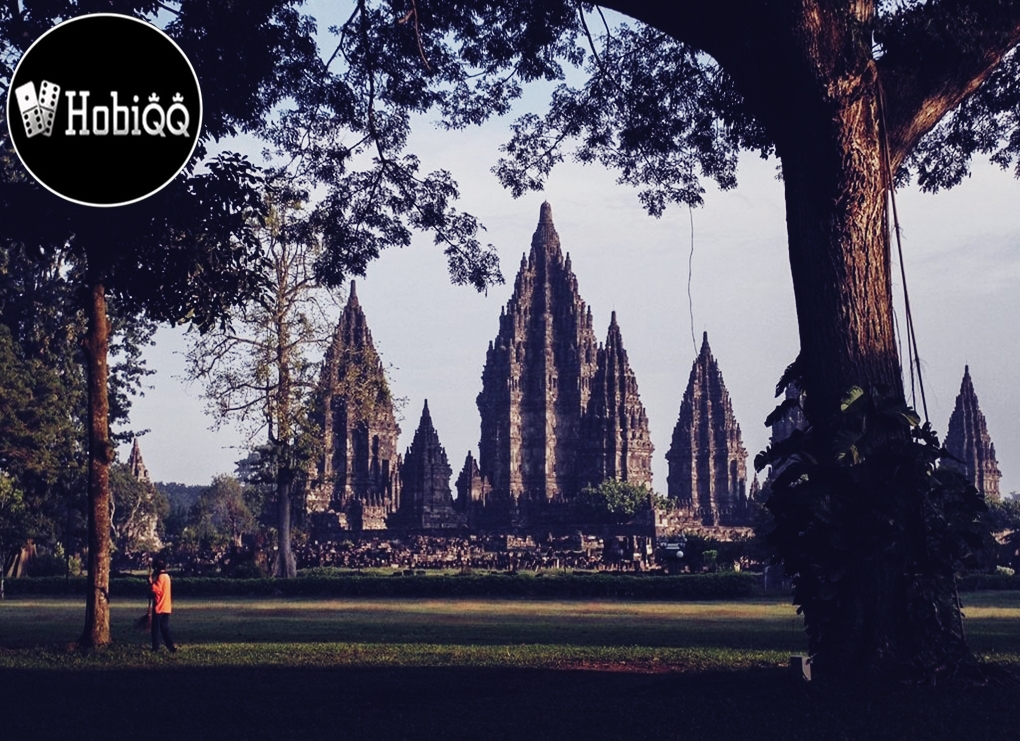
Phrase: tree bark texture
(97, 600)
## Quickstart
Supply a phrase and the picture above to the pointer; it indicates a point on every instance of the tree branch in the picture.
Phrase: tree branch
(936, 55)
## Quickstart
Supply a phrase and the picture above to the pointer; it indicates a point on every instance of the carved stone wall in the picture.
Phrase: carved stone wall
(968, 441)
(360, 467)
(707, 458)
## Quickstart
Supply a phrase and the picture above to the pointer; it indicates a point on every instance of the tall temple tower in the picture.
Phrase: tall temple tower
(136, 464)
(537, 378)
(968, 441)
(360, 465)
(707, 460)
(617, 444)
(425, 498)
(141, 528)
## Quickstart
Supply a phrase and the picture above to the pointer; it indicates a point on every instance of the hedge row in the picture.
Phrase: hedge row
(723, 586)
(993, 582)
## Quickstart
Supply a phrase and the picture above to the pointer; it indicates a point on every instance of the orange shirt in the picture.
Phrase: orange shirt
(161, 591)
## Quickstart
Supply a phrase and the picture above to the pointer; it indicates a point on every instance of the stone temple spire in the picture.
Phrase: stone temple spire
(707, 459)
(968, 441)
(425, 498)
(360, 463)
(136, 464)
(615, 427)
(537, 378)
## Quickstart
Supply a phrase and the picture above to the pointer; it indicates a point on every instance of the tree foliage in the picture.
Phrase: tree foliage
(259, 371)
(858, 507)
(221, 516)
(612, 501)
(184, 254)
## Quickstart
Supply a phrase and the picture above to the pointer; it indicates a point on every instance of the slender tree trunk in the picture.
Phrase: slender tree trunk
(97, 599)
(285, 566)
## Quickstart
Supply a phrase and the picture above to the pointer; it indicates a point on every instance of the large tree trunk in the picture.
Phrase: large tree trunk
(97, 600)
(835, 184)
(839, 254)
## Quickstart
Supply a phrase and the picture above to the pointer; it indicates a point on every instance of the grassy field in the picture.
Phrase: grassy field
(472, 669)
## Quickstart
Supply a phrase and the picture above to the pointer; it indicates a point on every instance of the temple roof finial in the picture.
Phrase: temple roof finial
(545, 214)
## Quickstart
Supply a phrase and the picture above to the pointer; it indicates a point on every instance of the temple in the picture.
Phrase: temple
(358, 473)
(968, 442)
(425, 499)
(558, 411)
(707, 460)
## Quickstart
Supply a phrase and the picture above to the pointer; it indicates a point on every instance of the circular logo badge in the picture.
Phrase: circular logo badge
(104, 110)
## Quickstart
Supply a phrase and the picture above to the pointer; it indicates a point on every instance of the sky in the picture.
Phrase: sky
(962, 255)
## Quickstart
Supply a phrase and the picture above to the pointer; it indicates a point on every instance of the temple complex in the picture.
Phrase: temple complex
(142, 524)
(968, 441)
(707, 460)
(559, 411)
(136, 464)
(359, 469)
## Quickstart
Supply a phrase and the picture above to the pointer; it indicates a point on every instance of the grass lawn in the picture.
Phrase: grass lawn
(472, 669)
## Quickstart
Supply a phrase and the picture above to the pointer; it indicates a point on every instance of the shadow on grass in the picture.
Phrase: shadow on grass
(480, 703)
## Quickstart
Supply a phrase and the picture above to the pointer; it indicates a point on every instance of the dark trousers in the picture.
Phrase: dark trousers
(161, 629)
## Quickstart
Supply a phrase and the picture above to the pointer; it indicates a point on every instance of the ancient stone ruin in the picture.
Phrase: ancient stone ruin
(142, 523)
(558, 411)
(359, 470)
(425, 499)
(707, 460)
(968, 441)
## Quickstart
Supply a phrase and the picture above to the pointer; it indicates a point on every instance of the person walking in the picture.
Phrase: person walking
(159, 585)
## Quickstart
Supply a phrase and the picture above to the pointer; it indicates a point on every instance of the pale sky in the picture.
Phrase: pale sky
(962, 252)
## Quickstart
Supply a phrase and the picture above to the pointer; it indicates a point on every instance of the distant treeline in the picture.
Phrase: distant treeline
(180, 496)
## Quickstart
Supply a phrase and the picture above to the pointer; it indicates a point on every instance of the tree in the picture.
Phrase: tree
(851, 97)
(612, 501)
(14, 523)
(258, 371)
(183, 255)
(221, 515)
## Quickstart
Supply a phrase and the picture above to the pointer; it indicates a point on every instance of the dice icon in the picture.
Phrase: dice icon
(38, 112)
(49, 95)
(28, 106)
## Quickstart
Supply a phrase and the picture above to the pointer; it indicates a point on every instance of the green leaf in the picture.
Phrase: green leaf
(850, 398)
